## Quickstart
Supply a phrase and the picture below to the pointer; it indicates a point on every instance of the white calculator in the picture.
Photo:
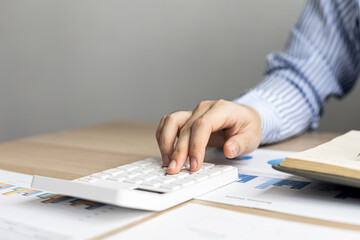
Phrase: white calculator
(142, 185)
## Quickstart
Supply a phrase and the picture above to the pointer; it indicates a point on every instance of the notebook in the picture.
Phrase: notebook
(336, 161)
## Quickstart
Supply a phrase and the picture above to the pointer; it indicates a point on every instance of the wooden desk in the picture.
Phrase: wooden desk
(79, 152)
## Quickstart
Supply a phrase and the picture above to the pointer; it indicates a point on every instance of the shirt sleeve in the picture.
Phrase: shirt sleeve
(321, 60)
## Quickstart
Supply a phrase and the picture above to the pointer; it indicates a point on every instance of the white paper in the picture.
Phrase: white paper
(195, 221)
(269, 189)
(27, 217)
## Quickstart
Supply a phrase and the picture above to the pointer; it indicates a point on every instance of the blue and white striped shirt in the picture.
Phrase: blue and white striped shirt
(321, 59)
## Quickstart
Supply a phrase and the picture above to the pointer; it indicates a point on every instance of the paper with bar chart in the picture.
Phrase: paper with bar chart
(219, 224)
(28, 213)
(259, 160)
(292, 195)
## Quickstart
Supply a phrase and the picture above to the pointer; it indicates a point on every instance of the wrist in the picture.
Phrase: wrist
(269, 121)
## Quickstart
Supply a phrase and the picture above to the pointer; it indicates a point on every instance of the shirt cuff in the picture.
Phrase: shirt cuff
(270, 121)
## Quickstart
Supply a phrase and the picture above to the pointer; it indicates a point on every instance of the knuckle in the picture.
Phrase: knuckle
(200, 123)
(203, 103)
(163, 118)
(184, 131)
(181, 113)
(171, 118)
(220, 102)
(164, 141)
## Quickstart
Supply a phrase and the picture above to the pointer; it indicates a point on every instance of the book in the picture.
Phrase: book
(338, 157)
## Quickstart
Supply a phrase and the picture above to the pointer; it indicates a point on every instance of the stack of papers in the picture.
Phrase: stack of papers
(28, 213)
(195, 221)
(260, 186)
(32, 214)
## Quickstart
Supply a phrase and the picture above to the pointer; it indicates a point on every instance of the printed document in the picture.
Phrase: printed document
(33, 214)
(195, 221)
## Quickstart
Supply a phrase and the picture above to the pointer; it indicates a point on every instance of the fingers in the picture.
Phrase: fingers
(247, 138)
(239, 144)
(236, 127)
(181, 150)
(167, 132)
(239, 124)
(214, 119)
(200, 134)
(180, 153)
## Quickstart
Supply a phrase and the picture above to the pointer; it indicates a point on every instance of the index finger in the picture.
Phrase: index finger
(213, 120)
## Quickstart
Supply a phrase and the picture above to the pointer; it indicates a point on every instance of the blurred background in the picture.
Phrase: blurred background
(70, 63)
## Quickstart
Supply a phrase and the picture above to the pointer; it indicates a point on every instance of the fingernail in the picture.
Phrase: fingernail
(165, 160)
(172, 164)
(193, 163)
(234, 149)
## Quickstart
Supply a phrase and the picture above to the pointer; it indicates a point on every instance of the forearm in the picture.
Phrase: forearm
(321, 60)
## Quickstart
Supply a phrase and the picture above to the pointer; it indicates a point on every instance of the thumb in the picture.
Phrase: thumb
(237, 145)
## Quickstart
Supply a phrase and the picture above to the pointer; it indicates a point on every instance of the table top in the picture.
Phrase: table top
(79, 152)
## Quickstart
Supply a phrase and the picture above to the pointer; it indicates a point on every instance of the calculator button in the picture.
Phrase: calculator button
(207, 165)
(134, 181)
(211, 172)
(223, 168)
(170, 187)
(128, 168)
(151, 184)
(198, 177)
(147, 177)
(133, 174)
(88, 179)
(164, 179)
(113, 171)
(182, 174)
(145, 170)
(185, 182)
(116, 178)
(100, 175)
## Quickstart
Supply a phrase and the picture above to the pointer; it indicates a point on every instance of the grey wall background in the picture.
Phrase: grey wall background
(65, 64)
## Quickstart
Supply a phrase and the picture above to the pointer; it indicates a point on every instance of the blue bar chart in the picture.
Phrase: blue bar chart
(262, 183)
(243, 178)
(282, 182)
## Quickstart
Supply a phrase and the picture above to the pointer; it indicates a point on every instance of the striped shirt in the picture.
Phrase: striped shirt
(321, 59)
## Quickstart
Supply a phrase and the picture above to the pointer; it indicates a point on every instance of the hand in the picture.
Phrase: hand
(235, 127)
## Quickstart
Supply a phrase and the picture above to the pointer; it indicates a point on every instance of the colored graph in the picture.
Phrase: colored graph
(282, 182)
(246, 178)
(341, 192)
(268, 182)
(48, 197)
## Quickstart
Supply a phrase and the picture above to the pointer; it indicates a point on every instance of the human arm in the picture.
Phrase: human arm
(321, 60)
